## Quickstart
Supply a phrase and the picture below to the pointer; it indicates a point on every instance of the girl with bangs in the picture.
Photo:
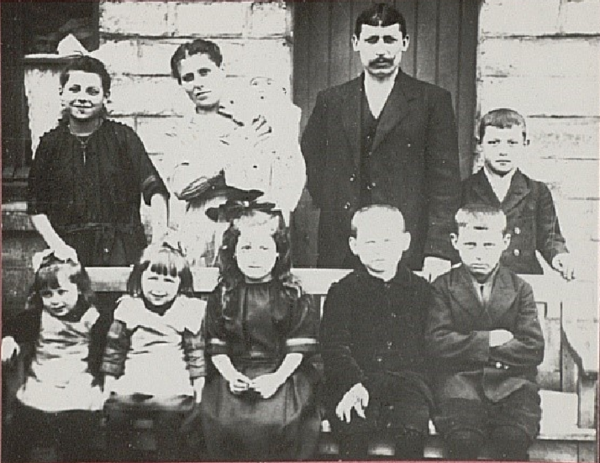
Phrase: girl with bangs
(61, 336)
(154, 357)
(261, 331)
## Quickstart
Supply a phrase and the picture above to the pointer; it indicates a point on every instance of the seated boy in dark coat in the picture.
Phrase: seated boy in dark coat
(528, 205)
(485, 337)
(373, 344)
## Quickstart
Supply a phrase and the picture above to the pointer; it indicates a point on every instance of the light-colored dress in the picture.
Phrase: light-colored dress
(156, 363)
(58, 378)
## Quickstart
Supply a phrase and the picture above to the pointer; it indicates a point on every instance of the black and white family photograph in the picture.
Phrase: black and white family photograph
(269, 230)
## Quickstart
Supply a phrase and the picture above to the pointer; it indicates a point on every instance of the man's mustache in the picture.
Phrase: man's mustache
(377, 61)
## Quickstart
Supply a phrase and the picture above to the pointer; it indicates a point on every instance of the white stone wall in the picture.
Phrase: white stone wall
(138, 39)
(542, 58)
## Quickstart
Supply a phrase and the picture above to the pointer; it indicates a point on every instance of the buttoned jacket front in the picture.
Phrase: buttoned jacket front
(531, 219)
(413, 165)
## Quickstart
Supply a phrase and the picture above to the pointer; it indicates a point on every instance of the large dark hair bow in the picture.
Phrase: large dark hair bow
(239, 202)
(234, 209)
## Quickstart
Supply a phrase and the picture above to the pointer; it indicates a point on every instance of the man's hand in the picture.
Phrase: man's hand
(267, 385)
(433, 267)
(356, 398)
(10, 349)
(563, 263)
(499, 337)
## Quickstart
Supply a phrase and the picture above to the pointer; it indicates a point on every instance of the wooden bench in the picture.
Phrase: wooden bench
(568, 375)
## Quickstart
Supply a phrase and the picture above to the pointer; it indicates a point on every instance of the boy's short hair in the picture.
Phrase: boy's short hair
(364, 213)
(380, 14)
(480, 217)
(502, 118)
(195, 47)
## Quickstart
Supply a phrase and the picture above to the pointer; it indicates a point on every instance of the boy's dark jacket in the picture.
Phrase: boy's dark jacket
(372, 333)
(25, 328)
(458, 335)
(531, 217)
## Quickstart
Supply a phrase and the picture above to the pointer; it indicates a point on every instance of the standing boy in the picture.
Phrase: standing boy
(373, 345)
(528, 205)
(486, 340)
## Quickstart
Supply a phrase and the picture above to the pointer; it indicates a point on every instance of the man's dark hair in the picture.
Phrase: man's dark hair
(380, 14)
(198, 46)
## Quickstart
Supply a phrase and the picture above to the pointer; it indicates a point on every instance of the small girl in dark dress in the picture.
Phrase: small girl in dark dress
(61, 335)
(261, 329)
(89, 174)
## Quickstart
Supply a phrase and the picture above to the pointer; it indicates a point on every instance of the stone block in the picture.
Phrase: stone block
(580, 17)
(518, 17)
(568, 179)
(564, 138)
(211, 19)
(268, 19)
(267, 57)
(544, 57)
(134, 18)
(119, 55)
(155, 56)
(134, 95)
(536, 96)
(579, 224)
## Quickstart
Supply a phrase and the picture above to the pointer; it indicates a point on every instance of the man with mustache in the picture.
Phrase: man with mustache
(384, 138)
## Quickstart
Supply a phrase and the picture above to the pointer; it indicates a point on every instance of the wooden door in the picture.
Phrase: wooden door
(443, 40)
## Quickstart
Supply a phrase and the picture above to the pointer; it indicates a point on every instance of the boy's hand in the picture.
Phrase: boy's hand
(267, 385)
(433, 267)
(356, 398)
(499, 337)
(198, 385)
(563, 263)
(10, 349)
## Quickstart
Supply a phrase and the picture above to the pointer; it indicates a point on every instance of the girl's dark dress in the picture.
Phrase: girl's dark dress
(90, 189)
(260, 325)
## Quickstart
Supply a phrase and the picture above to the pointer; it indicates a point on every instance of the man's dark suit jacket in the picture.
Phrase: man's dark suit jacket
(458, 337)
(531, 219)
(414, 166)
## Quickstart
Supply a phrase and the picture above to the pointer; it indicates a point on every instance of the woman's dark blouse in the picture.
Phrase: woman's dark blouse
(264, 320)
(103, 188)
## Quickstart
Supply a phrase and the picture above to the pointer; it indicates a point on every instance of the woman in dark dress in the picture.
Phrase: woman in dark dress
(261, 331)
(89, 174)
